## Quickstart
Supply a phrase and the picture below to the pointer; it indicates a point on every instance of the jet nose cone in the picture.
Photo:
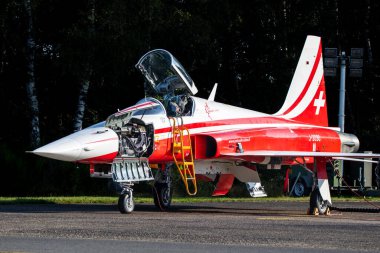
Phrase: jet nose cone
(93, 144)
(65, 149)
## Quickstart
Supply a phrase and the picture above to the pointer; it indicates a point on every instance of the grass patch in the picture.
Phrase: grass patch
(58, 200)
(113, 200)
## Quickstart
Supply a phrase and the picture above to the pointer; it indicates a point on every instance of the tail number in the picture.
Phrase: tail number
(314, 138)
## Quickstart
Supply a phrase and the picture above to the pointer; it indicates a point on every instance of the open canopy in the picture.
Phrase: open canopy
(164, 73)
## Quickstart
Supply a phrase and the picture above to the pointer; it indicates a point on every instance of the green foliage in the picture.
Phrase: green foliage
(273, 181)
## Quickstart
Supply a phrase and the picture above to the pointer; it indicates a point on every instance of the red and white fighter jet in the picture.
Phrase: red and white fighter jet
(205, 139)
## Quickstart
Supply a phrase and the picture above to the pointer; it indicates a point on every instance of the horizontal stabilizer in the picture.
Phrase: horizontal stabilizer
(356, 160)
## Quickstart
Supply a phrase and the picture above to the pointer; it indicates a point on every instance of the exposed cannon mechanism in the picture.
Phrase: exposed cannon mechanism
(135, 137)
(133, 140)
(131, 164)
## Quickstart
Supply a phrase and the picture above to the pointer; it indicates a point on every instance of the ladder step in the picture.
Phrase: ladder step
(179, 146)
(186, 164)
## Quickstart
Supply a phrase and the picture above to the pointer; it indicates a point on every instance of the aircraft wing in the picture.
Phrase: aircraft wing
(333, 155)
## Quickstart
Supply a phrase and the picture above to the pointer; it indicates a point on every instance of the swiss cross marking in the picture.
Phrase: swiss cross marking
(319, 102)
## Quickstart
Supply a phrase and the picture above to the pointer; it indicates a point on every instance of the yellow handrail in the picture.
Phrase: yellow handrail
(186, 165)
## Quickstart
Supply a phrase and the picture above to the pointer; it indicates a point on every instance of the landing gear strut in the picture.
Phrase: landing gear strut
(317, 204)
(320, 198)
(162, 189)
(126, 203)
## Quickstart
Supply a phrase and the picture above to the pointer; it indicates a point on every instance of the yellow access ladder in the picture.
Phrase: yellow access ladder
(185, 165)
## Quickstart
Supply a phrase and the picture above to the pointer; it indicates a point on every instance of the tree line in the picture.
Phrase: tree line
(68, 64)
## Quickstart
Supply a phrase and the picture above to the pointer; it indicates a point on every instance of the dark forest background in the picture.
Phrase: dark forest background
(65, 64)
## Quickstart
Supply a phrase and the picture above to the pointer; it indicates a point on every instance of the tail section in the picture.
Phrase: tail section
(306, 98)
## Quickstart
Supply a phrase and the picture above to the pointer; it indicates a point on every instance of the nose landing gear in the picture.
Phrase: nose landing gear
(126, 172)
(126, 203)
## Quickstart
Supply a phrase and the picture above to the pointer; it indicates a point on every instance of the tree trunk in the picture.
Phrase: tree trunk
(30, 83)
(85, 82)
(78, 120)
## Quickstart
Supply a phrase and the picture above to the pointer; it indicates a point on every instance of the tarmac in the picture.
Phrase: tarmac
(208, 227)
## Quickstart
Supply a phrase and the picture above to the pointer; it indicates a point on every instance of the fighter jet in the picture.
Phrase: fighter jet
(206, 140)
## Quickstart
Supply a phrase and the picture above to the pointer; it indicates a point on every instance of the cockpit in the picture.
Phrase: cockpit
(156, 107)
(169, 89)
(166, 79)
(164, 74)
(179, 106)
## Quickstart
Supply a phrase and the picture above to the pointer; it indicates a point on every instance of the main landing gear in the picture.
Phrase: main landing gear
(317, 204)
(162, 189)
(320, 198)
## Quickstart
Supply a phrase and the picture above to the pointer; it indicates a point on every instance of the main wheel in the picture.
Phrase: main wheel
(299, 189)
(126, 203)
(162, 196)
(316, 201)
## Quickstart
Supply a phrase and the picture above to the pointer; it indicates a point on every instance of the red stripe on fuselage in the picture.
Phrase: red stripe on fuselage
(240, 121)
(135, 107)
(108, 158)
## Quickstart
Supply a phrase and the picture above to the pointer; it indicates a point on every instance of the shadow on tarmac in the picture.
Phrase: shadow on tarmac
(201, 208)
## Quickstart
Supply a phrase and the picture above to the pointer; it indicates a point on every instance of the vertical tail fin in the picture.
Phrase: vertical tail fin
(306, 98)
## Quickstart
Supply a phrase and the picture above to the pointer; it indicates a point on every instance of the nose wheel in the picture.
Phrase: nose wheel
(126, 203)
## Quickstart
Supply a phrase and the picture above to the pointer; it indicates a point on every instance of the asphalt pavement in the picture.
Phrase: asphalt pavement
(202, 227)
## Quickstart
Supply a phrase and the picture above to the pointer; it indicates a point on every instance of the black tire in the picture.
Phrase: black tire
(299, 189)
(162, 196)
(317, 202)
(125, 203)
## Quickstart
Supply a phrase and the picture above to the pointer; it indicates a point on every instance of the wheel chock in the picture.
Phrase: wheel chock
(315, 211)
